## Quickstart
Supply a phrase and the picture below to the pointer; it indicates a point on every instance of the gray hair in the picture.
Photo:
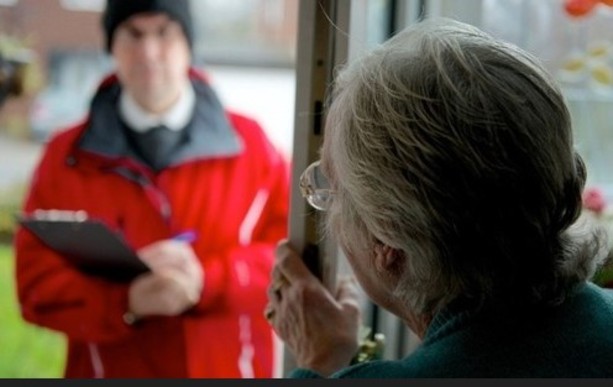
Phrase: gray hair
(456, 149)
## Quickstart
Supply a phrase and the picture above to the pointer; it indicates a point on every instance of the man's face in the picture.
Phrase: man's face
(152, 56)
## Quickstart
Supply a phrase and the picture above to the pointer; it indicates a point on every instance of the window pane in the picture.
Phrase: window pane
(258, 32)
(578, 50)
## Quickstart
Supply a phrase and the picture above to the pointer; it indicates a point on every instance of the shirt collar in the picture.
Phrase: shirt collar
(176, 118)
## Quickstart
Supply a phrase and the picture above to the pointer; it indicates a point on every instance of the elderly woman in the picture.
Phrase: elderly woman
(454, 190)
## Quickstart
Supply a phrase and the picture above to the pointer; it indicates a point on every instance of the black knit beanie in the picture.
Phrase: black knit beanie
(118, 11)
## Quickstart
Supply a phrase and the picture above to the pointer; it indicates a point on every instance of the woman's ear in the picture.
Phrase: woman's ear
(387, 258)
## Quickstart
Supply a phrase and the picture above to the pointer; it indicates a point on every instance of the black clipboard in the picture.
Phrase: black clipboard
(88, 244)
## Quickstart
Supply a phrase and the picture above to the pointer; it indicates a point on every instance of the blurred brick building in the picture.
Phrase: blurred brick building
(52, 27)
(44, 26)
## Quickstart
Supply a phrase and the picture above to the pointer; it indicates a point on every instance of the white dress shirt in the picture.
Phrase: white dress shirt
(176, 118)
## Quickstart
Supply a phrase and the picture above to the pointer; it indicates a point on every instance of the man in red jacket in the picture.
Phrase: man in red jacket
(156, 157)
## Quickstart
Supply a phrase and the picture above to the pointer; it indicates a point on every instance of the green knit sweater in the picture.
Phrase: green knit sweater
(574, 339)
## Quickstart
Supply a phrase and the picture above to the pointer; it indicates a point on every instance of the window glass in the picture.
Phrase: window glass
(576, 46)
(254, 32)
(379, 21)
(248, 47)
(574, 39)
(83, 5)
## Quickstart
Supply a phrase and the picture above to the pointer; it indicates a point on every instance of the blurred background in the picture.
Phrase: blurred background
(248, 48)
(65, 38)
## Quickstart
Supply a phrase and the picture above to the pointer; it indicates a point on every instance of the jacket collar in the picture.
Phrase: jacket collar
(209, 132)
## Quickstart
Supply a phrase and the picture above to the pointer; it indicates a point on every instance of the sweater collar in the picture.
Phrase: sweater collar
(457, 313)
(465, 309)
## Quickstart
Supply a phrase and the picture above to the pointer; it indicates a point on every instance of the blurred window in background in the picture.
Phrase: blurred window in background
(574, 38)
(83, 5)
(246, 32)
(248, 47)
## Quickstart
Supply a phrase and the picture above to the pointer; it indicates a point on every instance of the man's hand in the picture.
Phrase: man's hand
(174, 284)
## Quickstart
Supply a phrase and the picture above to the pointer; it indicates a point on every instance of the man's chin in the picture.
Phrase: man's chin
(156, 101)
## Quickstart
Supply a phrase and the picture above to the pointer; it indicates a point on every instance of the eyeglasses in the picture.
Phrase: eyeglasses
(315, 188)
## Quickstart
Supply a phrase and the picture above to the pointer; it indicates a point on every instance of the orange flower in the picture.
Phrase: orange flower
(579, 8)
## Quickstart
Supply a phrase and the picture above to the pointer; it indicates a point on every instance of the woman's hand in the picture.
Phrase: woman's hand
(320, 329)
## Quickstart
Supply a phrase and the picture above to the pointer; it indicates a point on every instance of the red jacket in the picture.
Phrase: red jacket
(232, 187)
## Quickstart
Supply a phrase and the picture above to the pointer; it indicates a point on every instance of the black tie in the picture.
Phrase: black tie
(157, 144)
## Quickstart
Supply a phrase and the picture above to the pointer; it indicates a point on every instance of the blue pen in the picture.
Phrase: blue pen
(188, 236)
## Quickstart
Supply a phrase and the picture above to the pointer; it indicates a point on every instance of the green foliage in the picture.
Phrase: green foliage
(27, 351)
(10, 204)
(604, 275)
